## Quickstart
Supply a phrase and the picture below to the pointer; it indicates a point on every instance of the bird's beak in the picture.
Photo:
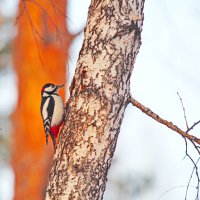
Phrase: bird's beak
(59, 86)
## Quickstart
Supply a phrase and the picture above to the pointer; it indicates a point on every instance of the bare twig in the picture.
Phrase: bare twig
(196, 123)
(35, 32)
(170, 125)
(173, 188)
(195, 168)
(184, 112)
(43, 10)
(21, 12)
(33, 27)
(55, 17)
(58, 10)
(55, 24)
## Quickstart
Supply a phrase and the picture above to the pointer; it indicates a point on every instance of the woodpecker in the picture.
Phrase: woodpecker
(52, 111)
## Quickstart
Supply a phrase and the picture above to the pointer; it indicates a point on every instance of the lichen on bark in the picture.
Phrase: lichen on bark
(99, 94)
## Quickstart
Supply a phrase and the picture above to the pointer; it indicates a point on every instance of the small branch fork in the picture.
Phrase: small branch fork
(170, 125)
(195, 168)
(194, 140)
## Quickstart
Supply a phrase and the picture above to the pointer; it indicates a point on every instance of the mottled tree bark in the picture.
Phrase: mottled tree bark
(100, 92)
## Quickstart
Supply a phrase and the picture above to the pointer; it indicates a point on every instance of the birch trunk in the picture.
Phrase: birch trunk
(100, 92)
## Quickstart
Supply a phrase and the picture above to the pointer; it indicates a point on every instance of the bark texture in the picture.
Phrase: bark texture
(99, 95)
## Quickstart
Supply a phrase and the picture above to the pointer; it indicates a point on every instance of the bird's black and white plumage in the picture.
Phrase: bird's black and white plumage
(52, 110)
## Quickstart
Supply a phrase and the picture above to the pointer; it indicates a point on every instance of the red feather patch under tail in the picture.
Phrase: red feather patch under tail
(54, 130)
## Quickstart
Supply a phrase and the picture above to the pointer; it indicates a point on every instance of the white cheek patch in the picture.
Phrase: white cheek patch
(49, 89)
(44, 94)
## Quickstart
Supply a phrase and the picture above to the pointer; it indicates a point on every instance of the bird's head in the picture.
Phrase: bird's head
(50, 88)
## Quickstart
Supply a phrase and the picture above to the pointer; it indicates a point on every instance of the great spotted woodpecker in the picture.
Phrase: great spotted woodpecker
(52, 111)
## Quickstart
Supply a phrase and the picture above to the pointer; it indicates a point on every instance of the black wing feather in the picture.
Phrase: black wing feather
(47, 121)
(50, 107)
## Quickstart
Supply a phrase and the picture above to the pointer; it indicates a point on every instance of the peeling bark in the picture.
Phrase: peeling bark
(100, 92)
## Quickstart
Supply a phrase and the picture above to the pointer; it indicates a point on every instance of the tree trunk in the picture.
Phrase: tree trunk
(40, 52)
(100, 92)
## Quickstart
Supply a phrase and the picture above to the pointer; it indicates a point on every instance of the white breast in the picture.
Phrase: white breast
(58, 111)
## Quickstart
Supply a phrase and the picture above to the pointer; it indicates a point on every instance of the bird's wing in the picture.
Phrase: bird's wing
(47, 113)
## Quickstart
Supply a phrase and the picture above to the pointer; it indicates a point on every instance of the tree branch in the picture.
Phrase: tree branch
(170, 125)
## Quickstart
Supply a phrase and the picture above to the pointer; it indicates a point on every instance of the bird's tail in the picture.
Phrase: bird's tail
(54, 141)
(47, 139)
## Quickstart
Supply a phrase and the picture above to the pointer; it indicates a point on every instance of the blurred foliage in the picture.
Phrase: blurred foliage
(7, 32)
(128, 184)
(6, 35)
(131, 185)
(134, 184)
(4, 140)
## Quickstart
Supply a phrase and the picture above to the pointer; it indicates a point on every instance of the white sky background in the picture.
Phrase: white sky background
(166, 64)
